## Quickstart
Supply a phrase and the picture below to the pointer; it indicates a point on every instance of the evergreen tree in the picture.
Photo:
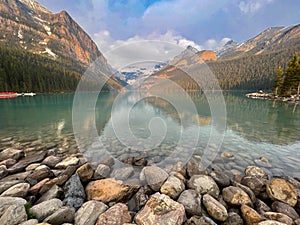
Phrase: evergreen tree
(278, 81)
(292, 76)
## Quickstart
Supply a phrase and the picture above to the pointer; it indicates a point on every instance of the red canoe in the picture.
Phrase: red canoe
(8, 95)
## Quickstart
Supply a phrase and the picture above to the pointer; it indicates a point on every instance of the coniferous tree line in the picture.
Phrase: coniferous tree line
(253, 72)
(22, 71)
(287, 82)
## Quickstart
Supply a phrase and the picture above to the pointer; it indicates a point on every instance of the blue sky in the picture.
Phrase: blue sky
(205, 24)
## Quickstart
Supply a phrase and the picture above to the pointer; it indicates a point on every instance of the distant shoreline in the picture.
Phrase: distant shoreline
(270, 96)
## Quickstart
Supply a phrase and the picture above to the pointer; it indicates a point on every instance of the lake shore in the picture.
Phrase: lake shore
(270, 96)
(61, 187)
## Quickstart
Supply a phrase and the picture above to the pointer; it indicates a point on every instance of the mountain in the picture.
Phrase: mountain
(35, 32)
(270, 40)
(250, 65)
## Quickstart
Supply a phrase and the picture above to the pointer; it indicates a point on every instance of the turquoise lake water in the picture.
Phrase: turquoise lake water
(254, 128)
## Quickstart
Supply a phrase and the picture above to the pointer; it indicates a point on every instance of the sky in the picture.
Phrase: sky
(204, 24)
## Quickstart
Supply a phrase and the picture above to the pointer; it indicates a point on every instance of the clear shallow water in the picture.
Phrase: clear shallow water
(255, 128)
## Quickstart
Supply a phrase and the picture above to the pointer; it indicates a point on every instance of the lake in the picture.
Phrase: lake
(257, 132)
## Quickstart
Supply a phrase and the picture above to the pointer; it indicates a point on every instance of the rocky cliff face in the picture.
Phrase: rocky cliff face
(25, 24)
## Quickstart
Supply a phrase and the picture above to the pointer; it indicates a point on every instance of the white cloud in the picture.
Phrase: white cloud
(252, 6)
(154, 47)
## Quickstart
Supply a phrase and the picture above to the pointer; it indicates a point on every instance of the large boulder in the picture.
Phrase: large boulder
(281, 190)
(109, 190)
(65, 214)
(74, 192)
(160, 209)
(14, 215)
(204, 185)
(191, 200)
(250, 216)
(89, 212)
(236, 196)
(172, 187)
(18, 190)
(254, 171)
(154, 177)
(116, 215)
(45, 209)
(214, 208)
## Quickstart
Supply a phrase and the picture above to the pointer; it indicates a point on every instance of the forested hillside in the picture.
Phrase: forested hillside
(22, 71)
(251, 72)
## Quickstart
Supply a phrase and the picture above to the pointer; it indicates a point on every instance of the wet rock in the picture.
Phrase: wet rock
(51, 161)
(279, 217)
(30, 222)
(102, 172)
(261, 207)
(122, 173)
(281, 190)
(11, 153)
(45, 209)
(204, 185)
(109, 190)
(254, 171)
(3, 171)
(74, 192)
(191, 200)
(270, 222)
(85, 172)
(236, 196)
(65, 214)
(172, 187)
(154, 177)
(247, 190)
(18, 190)
(70, 161)
(286, 209)
(54, 192)
(39, 174)
(89, 212)
(22, 164)
(256, 184)
(160, 209)
(215, 209)
(13, 215)
(220, 178)
(250, 216)
(195, 168)
(233, 219)
(116, 215)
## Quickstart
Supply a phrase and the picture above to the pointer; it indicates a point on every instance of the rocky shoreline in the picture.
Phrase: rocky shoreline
(46, 186)
(270, 96)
